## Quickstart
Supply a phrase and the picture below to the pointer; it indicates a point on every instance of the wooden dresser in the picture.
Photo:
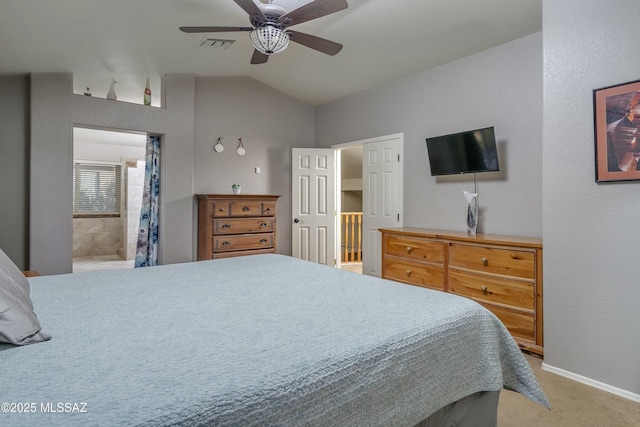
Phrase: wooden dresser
(503, 273)
(234, 225)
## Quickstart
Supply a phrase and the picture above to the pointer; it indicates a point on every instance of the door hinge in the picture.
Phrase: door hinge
(398, 217)
(335, 262)
(398, 157)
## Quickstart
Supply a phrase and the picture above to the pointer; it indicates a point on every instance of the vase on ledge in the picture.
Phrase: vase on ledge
(236, 188)
(112, 90)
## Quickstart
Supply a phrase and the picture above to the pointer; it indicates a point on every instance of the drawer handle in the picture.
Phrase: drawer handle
(483, 289)
(221, 210)
(267, 209)
(409, 249)
(226, 226)
(263, 224)
(245, 208)
(408, 272)
(263, 240)
(484, 260)
(226, 243)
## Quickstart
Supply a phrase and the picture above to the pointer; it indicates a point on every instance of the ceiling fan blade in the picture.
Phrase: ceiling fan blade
(259, 57)
(317, 43)
(251, 8)
(214, 29)
(313, 10)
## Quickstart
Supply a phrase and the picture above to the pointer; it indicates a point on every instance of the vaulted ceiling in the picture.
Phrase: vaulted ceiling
(128, 41)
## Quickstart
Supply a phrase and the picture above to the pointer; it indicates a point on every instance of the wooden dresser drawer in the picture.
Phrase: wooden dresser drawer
(245, 208)
(232, 254)
(520, 324)
(516, 293)
(268, 208)
(242, 242)
(242, 225)
(428, 276)
(508, 262)
(415, 249)
(220, 208)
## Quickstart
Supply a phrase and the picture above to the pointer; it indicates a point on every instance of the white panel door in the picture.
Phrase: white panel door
(314, 205)
(381, 197)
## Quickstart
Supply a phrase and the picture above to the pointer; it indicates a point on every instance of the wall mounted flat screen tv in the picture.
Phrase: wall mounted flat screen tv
(464, 152)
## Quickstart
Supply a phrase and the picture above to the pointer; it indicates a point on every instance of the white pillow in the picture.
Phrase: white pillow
(19, 324)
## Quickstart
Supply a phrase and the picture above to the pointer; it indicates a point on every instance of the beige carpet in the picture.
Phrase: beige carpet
(572, 404)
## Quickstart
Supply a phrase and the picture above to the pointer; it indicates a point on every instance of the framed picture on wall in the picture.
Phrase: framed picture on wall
(617, 132)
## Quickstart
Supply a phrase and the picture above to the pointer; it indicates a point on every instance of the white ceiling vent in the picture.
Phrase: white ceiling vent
(216, 43)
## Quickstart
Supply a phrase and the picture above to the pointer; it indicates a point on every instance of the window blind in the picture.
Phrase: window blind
(96, 188)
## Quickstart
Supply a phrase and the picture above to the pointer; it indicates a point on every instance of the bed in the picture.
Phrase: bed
(255, 340)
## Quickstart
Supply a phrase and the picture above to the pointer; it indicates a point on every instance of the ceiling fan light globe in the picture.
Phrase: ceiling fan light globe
(269, 39)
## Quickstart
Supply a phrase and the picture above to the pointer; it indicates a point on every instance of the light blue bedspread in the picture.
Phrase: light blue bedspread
(259, 340)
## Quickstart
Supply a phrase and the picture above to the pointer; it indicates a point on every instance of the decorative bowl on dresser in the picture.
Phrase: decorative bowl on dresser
(503, 273)
(235, 225)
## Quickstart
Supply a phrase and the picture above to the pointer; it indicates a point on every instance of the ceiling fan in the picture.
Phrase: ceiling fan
(270, 33)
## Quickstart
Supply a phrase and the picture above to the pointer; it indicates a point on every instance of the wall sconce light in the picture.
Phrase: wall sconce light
(218, 147)
(240, 150)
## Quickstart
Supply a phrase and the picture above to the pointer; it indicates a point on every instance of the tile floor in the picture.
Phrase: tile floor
(103, 262)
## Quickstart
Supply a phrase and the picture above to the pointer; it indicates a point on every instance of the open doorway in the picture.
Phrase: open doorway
(317, 202)
(108, 178)
(350, 228)
(379, 161)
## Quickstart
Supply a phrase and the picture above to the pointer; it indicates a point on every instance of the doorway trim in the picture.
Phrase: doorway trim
(400, 195)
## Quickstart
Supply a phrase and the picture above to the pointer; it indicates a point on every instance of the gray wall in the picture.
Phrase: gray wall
(501, 87)
(54, 112)
(269, 123)
(14, 168)
(51, 194)
(591, 231)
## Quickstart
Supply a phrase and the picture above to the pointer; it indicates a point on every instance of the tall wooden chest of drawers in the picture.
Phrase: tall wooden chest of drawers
(234, 225)
(503, 273)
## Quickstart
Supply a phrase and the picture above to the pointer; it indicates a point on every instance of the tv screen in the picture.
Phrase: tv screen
(464, 152)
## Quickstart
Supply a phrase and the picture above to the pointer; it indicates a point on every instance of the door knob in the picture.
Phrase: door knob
(296, 220)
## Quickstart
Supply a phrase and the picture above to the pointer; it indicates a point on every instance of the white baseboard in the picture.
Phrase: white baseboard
(593, 383)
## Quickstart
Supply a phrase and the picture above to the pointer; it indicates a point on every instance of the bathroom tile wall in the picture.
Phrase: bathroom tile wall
(135, 183)
(96, 236)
